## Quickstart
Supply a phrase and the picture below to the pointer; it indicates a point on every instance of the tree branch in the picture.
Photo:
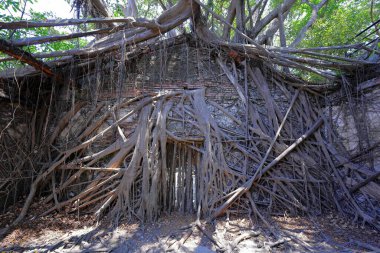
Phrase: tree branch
(270, 32)
(168, 20)
(314, 15)
(252, 11)
(38, 40)
(282, 29)
(25, 57)
(65, 22)
(365, 182)
(131, 9)
(248, 184)
(260, 25)
(98, 9)
(230, 19)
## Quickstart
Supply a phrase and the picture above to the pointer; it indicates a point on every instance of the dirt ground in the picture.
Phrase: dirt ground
(62, 232)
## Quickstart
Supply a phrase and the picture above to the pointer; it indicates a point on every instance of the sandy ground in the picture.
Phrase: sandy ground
(62, 232)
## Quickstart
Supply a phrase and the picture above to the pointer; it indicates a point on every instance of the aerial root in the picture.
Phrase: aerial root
(178, 151)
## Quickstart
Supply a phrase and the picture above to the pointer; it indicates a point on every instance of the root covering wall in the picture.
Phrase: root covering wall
(183, 171)
(184, 126)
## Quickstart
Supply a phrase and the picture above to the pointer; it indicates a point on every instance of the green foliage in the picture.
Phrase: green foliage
(337, 24)
(11, 5)
(10, 10)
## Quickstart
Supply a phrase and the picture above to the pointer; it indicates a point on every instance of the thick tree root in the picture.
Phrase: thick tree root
(175, 151)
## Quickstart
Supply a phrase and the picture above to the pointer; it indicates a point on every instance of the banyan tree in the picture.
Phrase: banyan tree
(191, 111)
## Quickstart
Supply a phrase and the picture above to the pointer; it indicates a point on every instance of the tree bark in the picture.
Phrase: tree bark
(248, 184)
(260, 25)
(25, 57)
(230, 19)
(64, 22)
(131, 9)
(240, 17)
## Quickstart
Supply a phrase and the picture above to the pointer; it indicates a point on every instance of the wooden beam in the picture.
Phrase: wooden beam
(24, 57)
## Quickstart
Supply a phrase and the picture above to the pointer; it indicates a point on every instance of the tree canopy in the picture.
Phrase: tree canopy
(291, 23)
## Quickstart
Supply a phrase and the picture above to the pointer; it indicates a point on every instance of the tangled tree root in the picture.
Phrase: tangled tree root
(177, 151)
